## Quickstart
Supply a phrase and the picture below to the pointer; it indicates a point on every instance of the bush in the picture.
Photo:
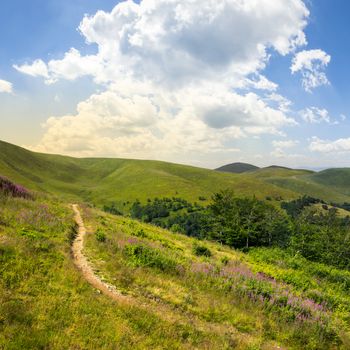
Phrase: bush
(201, 250)
(100, 235)
(225, 260)
(140, 233)
(72, 233)
(112, 209)
(142, 255)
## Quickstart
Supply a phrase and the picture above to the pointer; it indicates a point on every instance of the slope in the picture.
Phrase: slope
(305, 182)
(338, 179)
(237, 168)
(98, 180)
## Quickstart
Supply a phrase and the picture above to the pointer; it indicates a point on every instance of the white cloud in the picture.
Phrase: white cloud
(280, 147)
(259, 82)
(314, 115)
(36, 69)
(71, 67)
(169, 41)
(172, 73)
(285, 144)
(326, 146)
(6, 86)
(283, 104)
(311, 65)
(159, 124)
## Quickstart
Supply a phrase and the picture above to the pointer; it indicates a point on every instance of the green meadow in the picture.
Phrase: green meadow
(181, 292)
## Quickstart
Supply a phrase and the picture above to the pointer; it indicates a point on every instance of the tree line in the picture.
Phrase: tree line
(242, 223)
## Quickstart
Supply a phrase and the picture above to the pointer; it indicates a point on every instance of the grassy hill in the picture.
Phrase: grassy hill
(280, 172)
(338, 179)
(98, 180)
(237, 168)
(329, 185)
(180, 299)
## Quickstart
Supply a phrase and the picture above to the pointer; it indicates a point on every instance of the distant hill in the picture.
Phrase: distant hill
(101, 180)
(237, 168)
(330, 185)
(338, 178)
(279, 171)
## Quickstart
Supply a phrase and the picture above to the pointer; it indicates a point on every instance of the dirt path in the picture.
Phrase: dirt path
(162, 311)
(85, 267)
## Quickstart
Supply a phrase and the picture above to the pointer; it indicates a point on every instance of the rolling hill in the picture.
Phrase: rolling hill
(339, 179)
(330, 185)
(98, 180)
(237, 168)
(169, 291)
(101, 180)
(167, 294)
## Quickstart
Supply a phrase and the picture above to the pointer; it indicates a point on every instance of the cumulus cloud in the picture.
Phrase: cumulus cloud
(36, 69)
(71, 67)
(285, 144)
(173, 73)
(259, 82)
(315, 115)
(144, 123)
(326, 146)
(311, 64)
(171, 41)
(280, 148)
(283, 104)
(6, 86)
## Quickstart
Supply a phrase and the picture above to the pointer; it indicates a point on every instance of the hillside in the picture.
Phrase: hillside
(329, 185)
(170, 295)
(98, 180)
(277, 171)
(237, 168)
(107, 281)
(338, 178)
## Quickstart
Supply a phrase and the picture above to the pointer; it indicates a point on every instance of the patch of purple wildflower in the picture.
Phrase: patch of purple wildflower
(11, 189)
(40, 219)
(261, 288)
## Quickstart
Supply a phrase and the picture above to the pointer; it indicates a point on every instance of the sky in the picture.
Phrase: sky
(201, 82)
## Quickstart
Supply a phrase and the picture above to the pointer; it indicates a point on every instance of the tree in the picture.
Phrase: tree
(246, 222)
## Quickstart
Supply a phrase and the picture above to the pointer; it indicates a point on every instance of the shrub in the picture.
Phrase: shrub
(201, 250)
(140, 233)
(100, 235)
(142, 255)
(72, 233)
(225, 260)
(112, 209)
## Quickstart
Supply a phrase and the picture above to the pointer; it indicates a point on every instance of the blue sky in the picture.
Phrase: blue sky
(159, 81)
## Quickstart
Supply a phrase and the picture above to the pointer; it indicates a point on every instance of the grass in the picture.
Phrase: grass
(338, 179)
(305, 185)
(330, 185)
(100, 181)
(197, 294)
(45, 303)
(261, 303)
(104, 180)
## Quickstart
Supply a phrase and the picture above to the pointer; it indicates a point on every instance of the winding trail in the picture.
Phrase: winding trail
(85, 267)
(162, 311)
